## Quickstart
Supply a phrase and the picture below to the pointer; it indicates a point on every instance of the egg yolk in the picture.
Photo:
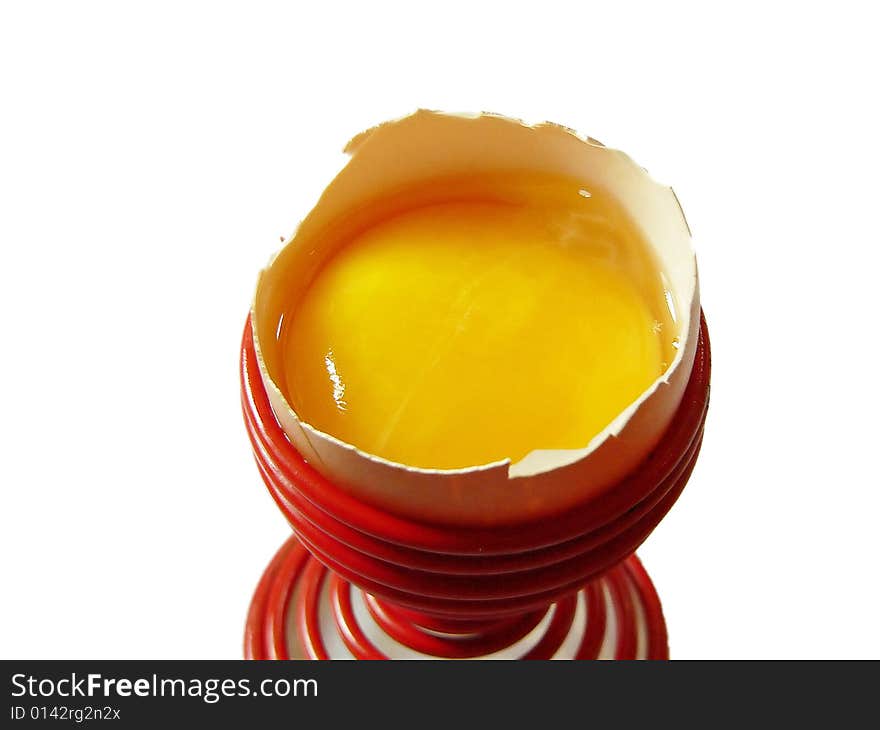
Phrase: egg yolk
(465, 332)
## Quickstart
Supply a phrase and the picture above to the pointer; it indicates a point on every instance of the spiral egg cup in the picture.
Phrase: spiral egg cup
(355, 580)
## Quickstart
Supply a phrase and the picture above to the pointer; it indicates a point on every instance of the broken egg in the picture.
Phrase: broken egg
(480, 322)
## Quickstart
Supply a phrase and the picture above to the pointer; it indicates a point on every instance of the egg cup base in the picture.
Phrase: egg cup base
(303, 610)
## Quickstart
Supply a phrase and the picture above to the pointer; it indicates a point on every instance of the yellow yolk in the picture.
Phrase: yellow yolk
(466, 332)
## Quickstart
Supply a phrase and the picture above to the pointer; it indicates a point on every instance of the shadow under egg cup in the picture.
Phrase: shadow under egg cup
(356, 580)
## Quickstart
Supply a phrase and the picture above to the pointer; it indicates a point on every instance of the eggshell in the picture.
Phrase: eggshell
(430, 144)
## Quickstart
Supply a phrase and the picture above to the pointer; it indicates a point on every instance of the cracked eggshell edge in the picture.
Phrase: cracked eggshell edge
(432, 144)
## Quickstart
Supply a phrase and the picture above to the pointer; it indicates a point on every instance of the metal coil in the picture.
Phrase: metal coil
(622, 619)
(462, 591)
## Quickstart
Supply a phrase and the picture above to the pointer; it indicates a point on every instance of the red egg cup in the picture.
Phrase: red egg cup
(375, 584)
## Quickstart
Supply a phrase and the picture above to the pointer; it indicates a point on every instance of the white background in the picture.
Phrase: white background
(151, 156)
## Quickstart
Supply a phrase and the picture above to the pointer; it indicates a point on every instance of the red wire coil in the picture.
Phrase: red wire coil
(485, 584)
(295, 578)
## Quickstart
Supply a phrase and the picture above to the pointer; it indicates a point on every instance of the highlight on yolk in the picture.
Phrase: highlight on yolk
(480, 326)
